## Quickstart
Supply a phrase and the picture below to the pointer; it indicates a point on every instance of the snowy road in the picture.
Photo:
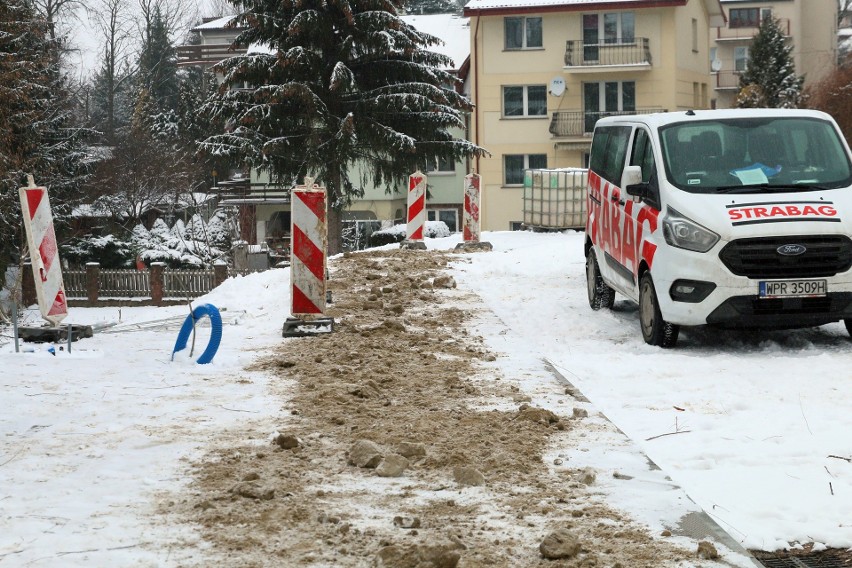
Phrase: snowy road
(754, 426)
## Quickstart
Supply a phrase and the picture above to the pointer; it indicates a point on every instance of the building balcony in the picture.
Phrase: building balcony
(621, 55)
(582, 124)
(727, 80)
(207, 55)
(745, 33)
(243, 192)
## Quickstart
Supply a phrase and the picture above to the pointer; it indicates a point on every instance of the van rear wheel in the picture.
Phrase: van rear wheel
(655, 330)
(600, 295)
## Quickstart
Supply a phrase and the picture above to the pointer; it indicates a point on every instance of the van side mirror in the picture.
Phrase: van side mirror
(640, 190)
(632, 177)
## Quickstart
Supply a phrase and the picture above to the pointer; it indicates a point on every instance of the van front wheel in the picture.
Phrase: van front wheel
(655, 330)
(600, 295)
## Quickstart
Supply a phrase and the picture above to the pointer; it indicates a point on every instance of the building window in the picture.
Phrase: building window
(449, 216)
(522, 33)
(744, 18)
(525, 101)
(607, 98)
(515, 164)
(740, 58)
(439, 165)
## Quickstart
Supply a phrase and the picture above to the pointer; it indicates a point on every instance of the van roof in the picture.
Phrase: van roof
(659, 119)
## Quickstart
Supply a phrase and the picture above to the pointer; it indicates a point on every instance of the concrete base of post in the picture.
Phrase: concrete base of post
(481, 246)
(295, 327)
(412, 245)
(54, 334)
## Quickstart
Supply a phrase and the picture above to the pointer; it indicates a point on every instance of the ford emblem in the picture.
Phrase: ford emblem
(791, 250)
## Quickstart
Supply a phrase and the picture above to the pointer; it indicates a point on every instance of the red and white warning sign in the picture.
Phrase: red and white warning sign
(308, 249)
(471, 208)
(41, 240)
(416, 206)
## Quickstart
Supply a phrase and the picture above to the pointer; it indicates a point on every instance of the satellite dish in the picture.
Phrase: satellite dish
(715, 65)
(557, 86)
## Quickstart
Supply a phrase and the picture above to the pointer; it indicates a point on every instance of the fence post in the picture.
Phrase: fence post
(157, 282)
(220, 272)
(93, 285)
(28, 291)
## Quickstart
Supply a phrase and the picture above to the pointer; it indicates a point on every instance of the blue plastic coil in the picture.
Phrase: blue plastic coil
(199, 312)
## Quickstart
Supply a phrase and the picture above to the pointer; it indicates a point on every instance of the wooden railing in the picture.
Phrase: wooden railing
(209, 54)
(157, 285)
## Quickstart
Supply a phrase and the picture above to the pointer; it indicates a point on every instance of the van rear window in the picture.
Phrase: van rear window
(609, 148)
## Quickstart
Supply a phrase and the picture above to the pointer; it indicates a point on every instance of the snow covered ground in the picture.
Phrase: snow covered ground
(755, 427)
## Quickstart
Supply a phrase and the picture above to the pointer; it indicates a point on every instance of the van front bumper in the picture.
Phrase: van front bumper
(753, 312)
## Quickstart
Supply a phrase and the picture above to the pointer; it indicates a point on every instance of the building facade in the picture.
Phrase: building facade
(810, 26)
(543, 71)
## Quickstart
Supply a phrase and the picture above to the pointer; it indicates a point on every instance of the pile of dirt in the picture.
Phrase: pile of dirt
(399, 446)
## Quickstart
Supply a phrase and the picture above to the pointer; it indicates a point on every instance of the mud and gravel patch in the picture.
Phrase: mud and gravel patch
(386, 456)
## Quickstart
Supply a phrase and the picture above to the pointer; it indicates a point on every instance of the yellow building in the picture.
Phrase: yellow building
(543, 71)
(809, 25)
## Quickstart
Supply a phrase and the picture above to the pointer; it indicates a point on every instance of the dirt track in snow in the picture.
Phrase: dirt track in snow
(398, 447)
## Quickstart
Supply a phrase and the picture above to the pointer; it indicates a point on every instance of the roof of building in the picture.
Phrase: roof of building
(220, 23)
(474, 7)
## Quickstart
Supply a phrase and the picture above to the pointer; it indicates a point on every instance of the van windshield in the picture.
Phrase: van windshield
(755, 155)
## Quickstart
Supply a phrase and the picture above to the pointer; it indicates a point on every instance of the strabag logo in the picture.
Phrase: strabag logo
(782, 212)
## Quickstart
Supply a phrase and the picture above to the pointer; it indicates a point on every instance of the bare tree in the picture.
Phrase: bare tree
(112, 23)
(176, 16)
(217, 8)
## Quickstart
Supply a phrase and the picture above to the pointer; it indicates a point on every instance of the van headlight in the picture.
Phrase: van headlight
(682, 232)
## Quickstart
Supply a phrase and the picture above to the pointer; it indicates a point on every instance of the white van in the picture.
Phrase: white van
(732, 218)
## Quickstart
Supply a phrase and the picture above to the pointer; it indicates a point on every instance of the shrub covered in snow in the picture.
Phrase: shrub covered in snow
(108, 250)
(195, 244)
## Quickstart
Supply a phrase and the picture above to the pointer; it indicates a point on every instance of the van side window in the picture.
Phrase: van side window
(609, 149)
(643, 154)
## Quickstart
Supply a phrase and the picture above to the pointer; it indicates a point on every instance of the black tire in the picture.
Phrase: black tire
(655, 330)
(848, 323)
(600, 295)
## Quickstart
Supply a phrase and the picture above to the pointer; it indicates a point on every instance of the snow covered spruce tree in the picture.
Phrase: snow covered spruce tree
(770, 80)
(339, 86)
(36, 132)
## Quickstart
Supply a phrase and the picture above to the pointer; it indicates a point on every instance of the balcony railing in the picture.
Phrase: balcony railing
(748, 32)
(243, 191)
(619, 52)
(208, 54)
(727, 80)
(579, 123)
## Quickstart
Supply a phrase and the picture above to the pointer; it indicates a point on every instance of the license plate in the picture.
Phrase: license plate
(793, 288)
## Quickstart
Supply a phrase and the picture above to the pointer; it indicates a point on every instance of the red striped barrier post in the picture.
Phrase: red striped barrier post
(471, 208)
(309, 243)
(416, 210)
(41, 240)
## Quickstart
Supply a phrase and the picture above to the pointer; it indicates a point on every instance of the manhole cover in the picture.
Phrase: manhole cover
(802, 559)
